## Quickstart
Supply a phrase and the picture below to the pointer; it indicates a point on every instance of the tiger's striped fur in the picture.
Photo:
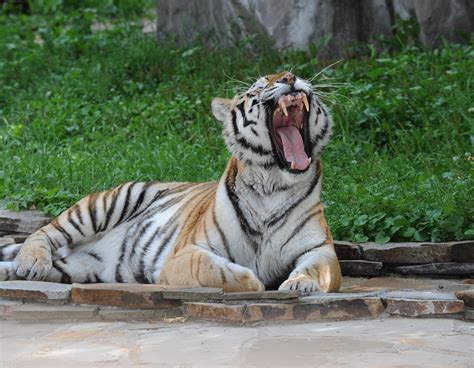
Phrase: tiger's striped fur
(261, 226)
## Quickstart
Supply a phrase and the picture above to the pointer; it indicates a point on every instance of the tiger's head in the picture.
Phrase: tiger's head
(277, 122)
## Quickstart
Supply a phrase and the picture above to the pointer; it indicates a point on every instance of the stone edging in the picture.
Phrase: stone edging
(45, 301)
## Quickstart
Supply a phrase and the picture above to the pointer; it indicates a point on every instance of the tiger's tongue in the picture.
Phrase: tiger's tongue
(293, 147)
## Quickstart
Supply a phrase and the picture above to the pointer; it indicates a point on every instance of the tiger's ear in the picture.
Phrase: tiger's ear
(221, 108)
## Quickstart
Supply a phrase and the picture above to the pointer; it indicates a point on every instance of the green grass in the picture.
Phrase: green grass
(86, 111)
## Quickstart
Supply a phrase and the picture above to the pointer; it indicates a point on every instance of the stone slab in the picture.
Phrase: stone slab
(268, 295)
(125, 314)
(7, 307)
(441, 269)
(122, 295)
(409, 253)
(417, 295)
(422, 307)
(346, 250)
(19, 238)
(202, 294)
(360, 268)
(463, 251)
(23, 221)
(467, 296)
(214, 311)
(34, 290)
(469, 314)
(340, 309)
(45, 312)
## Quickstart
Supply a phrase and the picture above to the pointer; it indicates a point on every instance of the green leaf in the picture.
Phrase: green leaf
(408, 232)
(360, 238)
(381, 238)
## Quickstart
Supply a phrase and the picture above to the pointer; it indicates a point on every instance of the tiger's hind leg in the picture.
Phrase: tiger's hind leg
(195, 266)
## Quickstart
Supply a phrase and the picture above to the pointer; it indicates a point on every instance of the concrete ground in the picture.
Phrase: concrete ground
(364, 343)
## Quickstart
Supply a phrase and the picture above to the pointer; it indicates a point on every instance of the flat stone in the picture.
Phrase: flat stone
(269, 295)
(7, 307)
(268, 312)
(341, 308)
(19, 238)
(463, 251)
(34, 290)
(421, 307)
(124, 314)
(409, 253)
(214, 311)
(417, 294)
(467, 296)
(469, 314)
(23, 221)
(360, 284)
(201, 294)
(40, 312)
(447, 268)
(122, 295)
(347, 250)
(360, 268)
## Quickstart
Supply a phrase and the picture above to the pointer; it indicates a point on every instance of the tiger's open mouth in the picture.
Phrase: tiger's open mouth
(289, 131)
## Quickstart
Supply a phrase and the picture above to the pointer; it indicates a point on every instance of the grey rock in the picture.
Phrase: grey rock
(408, 253)
(444, 19)
(269, 295)
(23, 221)
(346, 250)
(422, 307)
(467, 296)
(438, 269)
(34, 290)
(360, 268)
(463, 251)
(201, 294)
(299, 23)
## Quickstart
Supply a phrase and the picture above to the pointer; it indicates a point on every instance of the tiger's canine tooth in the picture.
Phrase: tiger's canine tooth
(305, 101)
(283, 107)
(293, 166)
(309, 161)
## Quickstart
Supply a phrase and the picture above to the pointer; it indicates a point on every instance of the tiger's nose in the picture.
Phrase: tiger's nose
(287, 78)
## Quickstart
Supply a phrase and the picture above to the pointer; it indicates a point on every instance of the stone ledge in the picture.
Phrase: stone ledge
(214, 311)
(421, 307)
(23, 221)
(35, 290)
(438, 269)
(126, 314)
(43, 312)
(122, 295)
(467, 296)
(360, 268)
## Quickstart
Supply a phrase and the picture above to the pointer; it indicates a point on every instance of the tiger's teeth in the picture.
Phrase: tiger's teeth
(283, 107)
(309, 161)
(293, 166)
(305, 101)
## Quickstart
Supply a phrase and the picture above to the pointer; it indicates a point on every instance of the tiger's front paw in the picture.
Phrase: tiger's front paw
(241, 279)
(303, 283)
(33, 262)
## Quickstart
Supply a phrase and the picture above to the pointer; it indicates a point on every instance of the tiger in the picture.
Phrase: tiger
(260, 227)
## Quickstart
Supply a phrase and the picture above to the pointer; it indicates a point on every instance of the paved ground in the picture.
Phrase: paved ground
(364, 343)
